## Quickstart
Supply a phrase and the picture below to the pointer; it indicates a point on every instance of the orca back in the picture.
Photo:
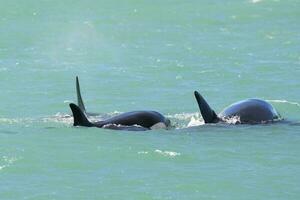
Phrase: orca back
(251, 111)
(145, 119)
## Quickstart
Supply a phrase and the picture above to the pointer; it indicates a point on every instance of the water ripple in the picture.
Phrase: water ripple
(7, 161)
(284, 101)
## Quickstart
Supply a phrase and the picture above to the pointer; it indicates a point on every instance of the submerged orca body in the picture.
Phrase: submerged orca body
(135, 120)
(250, 111)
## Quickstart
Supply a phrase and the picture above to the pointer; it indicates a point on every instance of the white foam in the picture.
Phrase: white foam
(59, 118)
(8, 121)
(183, 116)
(195, 122)
(16, 120)
(233, 120)
(8, 161)
(167, 153)
(184, 120)
(255, 1)
(143, 152)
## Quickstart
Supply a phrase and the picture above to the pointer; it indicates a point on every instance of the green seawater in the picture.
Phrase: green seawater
(148, 55)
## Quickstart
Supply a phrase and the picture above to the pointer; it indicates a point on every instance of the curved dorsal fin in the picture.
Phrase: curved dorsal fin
(207, 113)
(80, 118)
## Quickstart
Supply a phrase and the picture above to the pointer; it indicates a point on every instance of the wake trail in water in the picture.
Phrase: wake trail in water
(178, 120)
(57, 118)
(284, 102)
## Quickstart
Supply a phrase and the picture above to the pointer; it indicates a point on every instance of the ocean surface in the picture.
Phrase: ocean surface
(148, 55)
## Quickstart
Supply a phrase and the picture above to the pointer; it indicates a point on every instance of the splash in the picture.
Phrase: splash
(195, 122)
(232, 120)
(185, 120)
(182, 116)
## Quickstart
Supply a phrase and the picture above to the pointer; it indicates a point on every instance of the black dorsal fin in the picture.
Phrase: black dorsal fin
(207, 113)
(79, 98)
(80, 118)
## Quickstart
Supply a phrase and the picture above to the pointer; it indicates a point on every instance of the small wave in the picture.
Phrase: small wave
(58, 118)
(160, 152)
(284, 101)
(206, 71)
(295, 124)
(15, 120)
(195, 122)
(183, 116)
(143, 152)
(167, 153)
(8, 161)
(255, 1)
(9, 121)
(68, 101)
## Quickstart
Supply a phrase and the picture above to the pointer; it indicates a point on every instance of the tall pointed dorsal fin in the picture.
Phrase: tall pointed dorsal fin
(79, 98)
(207, 113)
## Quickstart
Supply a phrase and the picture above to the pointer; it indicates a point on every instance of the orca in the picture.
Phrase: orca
(249, 111)
(132, 121)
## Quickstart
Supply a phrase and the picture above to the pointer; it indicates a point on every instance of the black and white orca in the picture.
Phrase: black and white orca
(134, 120)
(249, 111)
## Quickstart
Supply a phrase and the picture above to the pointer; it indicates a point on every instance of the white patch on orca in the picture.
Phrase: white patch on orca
(159, 125)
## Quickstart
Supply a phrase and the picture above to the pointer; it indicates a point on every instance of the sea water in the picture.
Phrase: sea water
(148, 55)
